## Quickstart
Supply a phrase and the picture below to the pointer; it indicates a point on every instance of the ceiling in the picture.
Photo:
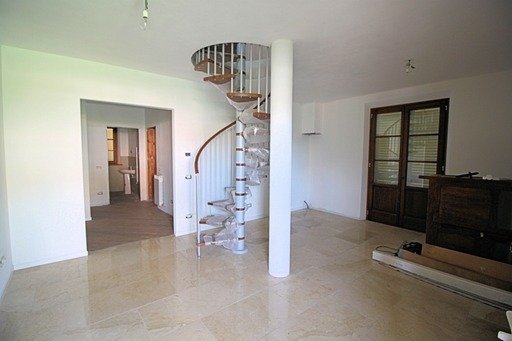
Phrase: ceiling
(343, 48)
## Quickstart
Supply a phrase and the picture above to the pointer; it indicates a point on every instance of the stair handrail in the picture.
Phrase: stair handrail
(196, 160)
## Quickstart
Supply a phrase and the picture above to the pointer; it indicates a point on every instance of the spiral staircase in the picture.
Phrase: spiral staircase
(241, 72)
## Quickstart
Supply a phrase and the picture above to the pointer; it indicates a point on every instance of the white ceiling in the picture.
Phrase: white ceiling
(343, 48)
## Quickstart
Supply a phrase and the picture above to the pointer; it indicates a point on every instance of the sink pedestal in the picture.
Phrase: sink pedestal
(126, 177)
(127, 185)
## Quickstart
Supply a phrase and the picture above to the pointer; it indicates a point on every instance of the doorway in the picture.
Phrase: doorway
(406, 142)
(123, 164)
(118, 206)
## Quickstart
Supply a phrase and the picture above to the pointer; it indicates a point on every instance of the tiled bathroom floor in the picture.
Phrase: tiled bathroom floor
(158, 289)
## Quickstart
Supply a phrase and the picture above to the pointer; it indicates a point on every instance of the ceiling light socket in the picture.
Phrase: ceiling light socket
(409, 66)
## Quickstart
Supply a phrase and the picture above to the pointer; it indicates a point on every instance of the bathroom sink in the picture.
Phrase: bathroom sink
(127, 171)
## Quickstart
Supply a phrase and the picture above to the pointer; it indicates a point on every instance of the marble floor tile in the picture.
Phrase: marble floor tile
(157, 289)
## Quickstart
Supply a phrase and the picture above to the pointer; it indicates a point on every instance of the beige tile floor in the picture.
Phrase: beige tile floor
(158, 289)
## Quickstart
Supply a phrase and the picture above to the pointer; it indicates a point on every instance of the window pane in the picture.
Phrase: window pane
(389, 124)
(386, 172)
(111, 155)
(415, 169)
(422, 148)
(387, 148)
(424, 121)
(110, 144)
(110, 133)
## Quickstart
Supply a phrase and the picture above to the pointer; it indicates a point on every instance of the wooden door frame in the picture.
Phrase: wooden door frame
(405, 109)
(371, 157)
(441, 146)
(150, 176)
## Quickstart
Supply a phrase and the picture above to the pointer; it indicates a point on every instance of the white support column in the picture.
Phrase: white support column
(280, 157)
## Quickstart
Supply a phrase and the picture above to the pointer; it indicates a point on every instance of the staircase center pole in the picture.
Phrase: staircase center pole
(240, 191)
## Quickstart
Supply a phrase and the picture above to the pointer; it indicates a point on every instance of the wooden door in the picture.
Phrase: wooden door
(151, 155)
(384, 165)
(406, 141)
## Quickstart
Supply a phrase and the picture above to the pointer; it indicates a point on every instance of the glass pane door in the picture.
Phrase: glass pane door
(423, 140)
(387, 148)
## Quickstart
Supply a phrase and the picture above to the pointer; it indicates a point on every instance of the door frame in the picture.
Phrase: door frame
(401, 186)
(150, 184)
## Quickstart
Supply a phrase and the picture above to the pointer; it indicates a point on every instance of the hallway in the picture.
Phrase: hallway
(126, 220)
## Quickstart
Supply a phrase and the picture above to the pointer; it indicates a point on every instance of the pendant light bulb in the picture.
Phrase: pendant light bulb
(409, 66)
(144, 24)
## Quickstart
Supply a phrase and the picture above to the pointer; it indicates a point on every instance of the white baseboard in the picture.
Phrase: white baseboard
(335, 213)
(490, 295)
(49, 260)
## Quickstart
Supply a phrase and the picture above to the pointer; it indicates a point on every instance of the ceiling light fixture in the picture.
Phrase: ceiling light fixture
(144, 24)
(408, 66)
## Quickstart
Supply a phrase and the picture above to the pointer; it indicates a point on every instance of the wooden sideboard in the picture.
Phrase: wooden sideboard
(471, 215)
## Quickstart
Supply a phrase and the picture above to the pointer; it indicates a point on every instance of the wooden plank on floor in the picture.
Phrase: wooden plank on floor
(493, 296)
(499, 270)
(455, 270)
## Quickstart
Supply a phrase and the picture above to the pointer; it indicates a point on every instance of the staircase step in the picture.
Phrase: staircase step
(243, 97)
(216, 220)
(253, 135)
(202, 66)
(220, 79)
(260, 153)
(220, 203)
(260, 115)
(224, 238)
(226, 204)
(250, 117)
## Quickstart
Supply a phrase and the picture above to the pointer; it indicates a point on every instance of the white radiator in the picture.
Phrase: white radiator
(158, 190)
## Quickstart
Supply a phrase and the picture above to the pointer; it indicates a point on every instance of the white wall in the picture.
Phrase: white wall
(5, 238)
(99, 117)
(43, 146)
(300, 159)
(479, 137)
(161, 119)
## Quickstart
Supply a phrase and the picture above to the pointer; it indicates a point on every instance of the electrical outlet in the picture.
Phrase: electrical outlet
(2, 261)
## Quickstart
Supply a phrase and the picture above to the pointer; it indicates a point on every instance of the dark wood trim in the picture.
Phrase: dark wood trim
(403, 162)
(115, 147)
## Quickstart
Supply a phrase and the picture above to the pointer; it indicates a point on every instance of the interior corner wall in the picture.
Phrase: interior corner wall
(479, 137)
(162, 121)
(43, 146)
(6, 267)
(300, 160)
